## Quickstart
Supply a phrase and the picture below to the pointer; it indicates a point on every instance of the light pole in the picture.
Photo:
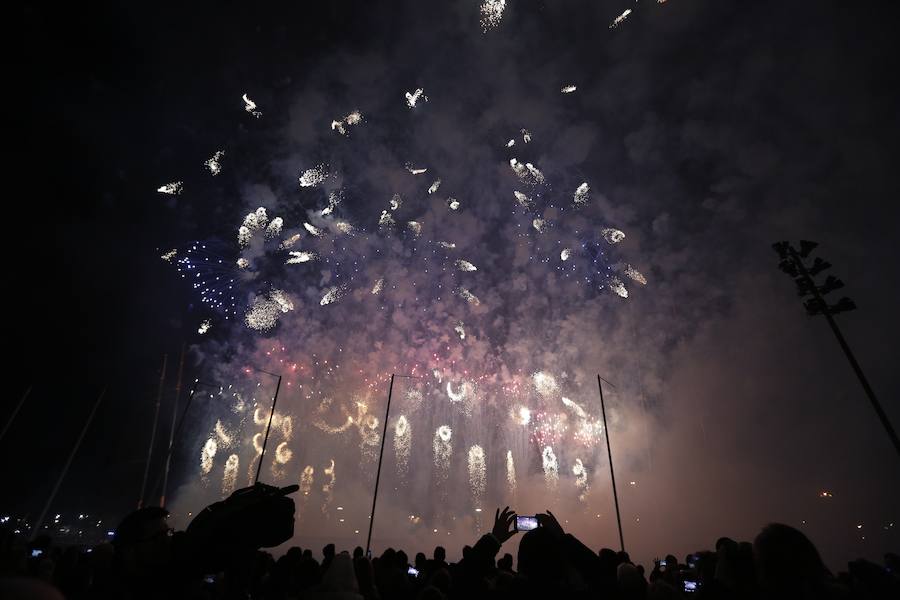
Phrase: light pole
(792, 264)
(612, 474)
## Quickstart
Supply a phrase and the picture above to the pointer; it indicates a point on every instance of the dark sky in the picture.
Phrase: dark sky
(706, 129)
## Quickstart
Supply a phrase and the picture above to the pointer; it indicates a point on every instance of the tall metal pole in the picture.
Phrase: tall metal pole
(178, 429)
(268, 427)
(612, 474)
(62, 475)
(15, 411)
(387, 413)
(159, 393)
(885, 422)
(165, 482)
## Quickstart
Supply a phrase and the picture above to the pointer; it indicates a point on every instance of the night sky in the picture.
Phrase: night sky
(705, 130)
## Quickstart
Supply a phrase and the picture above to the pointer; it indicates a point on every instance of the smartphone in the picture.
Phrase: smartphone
(526, 523)
(662, 564)
(36, 552)
(412, 571)
(691, 586)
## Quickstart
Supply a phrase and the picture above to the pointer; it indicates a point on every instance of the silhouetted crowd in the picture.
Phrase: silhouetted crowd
(219, 556)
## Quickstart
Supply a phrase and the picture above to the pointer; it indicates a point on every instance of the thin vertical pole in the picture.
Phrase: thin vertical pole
(882, 416)
(62, 475)
(165, 482)
(387, 413)
(268, 427)
(159, 393)
(15, 411)
(612, 474)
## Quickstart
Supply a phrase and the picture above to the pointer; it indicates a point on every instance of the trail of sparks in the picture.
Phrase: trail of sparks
(491, 14)
(568, 89)
(551, 467)
(229, 477)
(328, 487)
(581, 479)
(250, 106)
(207, 455)
(173, 189)
(620, 19)
(477, 473)
(443, 450)
(313, 176)
(581, 194)
(214, 164)
(510, 473)
(402, 441)
(413, 98)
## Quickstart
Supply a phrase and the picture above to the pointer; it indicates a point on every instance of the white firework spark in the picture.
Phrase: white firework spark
(635, 275)
(313, 230)
(448, 245)
(287, 426)
(453, 203)
(250, 106)
(535, 173)
(611, 235)
(332, 295)
(565, 254)
(526, 135)
(379, 285)
(344, 227)
(289, 242)
(229, 477)
(300, 257)
(551, 467)
(173, 189)
(434, 186)
(313, 176)
(468, 296)
(264, 312)
(523, 415)
(243, 263)
(575, 408)
(568, 89)
(223, 436)
(170, 255)
(544, 383)
(415, 170)
(523, 200)
(281, 298)
(581, 194)
(253, 222)
(386, 220)
(354, 118)
(402, 437)
(510, 473)
(214, 164)
(491, 14)
(511, 143)
(616, 285)
(339, 126)
(539, 225)
(443, 450)
(464, 265)
(328, 487)
(457, 396)
(518, 168)
(306, 479)
(334, 198)
(618, 20)
(396, 201)
(207, 455)
(412, 99)
(274, 228)
(415, 227)
(477, 472)
(581, 479)
(460, 330)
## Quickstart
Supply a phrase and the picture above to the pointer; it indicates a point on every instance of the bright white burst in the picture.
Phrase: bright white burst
(464, 265)
(315, 231)
(229, 477)
(458, 396)
(204, 326)
(207, 455)
(535, 173)
(412, 99)
(539, 225)
(354, 118)
(460, 331)
(415, 170)
(477, 473)
(402, 437)
(468, 296)
(526, 136)
(313, 176)
(344, 227)
(491, 14)
(396, 201)
(283, 454)
(264, 312)
(243, 263)
(568, 89)
(306, 479)
(575, 408)
(289, 242)
(448, 245)
(551, 467)
(523, 200)
(274, 228)
(618, 20)
(581, 479)
(250, 106)
(170, 255)
(332, 295)
(511, 143)
(544, 383)
(453, 203)
(386, 220)
(173, 189)
(613, 236)
(581, 194)
(214, 164)
(635, 275)
(328, 486)
(616, 285)
(334, 198)
(523, 416)
(300, 257)
(379, 285)
(565, 254)
(510, 472)
(443, 450)
(415, 227)
(434, 186)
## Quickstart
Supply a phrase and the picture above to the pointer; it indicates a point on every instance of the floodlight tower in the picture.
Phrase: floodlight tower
(792, 264)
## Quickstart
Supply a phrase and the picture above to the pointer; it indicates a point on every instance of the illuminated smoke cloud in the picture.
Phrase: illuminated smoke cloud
(173, 189)
(613, 236)
(581, 194)
(214, 164)
(413, 98)
(491, 14)
(551, 467)
(250, 106)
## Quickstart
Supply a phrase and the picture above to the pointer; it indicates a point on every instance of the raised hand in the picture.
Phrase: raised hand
(504, 524)
(549, 522)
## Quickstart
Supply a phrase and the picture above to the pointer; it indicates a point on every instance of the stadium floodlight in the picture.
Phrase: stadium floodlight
(792, 264)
